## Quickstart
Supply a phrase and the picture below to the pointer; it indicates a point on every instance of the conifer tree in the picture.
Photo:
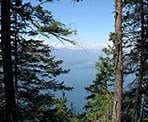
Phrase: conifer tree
(37, 71)
(99, 105)
(135, 35)
(34, 69)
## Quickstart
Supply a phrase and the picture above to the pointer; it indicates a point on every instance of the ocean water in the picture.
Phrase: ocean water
(82, 72)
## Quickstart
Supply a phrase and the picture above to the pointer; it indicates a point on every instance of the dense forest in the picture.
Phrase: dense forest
(28, 71)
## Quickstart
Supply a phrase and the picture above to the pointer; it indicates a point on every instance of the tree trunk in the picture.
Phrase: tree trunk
(117, 108)
(7, 62)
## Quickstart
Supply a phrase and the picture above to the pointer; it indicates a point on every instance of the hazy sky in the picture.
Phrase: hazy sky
(93, 19)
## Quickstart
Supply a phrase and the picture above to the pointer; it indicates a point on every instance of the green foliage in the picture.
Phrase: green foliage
(63, 114)
(135, 58)
(34, 68)
(37, 71)
(100, 107)
(100, 101)
(57, 28)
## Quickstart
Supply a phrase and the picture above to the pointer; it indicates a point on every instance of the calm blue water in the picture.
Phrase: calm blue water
(83, 72)
(82, 66)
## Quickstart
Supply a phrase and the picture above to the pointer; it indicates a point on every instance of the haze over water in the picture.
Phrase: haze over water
(82, 72)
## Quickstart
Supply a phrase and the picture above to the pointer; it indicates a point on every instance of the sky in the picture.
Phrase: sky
(93, 20)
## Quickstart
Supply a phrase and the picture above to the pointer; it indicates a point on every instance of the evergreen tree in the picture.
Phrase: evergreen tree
(135, 35)
(37, 70)
(34, 68)
(99, 105)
